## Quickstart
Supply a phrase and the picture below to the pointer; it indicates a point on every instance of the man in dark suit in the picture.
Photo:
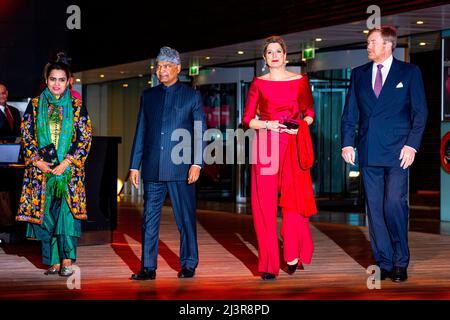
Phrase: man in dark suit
(167, 111)
(387, 100)
(9, 117)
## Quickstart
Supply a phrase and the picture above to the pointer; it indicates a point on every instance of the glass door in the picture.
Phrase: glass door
(218, 179)
(332, 178)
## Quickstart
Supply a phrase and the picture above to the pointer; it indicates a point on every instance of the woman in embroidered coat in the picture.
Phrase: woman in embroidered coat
(53, 200)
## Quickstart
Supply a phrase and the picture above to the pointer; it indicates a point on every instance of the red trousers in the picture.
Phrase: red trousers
(269, 152)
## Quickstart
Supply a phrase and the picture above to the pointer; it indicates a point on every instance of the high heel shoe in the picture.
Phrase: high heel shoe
(292, 267)
(268, 276)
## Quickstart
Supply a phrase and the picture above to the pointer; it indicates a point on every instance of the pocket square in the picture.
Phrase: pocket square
(400, 85)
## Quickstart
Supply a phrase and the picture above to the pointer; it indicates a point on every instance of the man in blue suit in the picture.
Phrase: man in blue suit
(167, 109)
(386, 99)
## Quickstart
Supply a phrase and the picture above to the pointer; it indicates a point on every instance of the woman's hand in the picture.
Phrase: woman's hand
(43, 166)
(309, 120)
(290, 131)
(59, 169)
(275, 125)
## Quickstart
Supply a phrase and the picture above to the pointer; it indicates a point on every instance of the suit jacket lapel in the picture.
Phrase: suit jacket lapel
(367, 85)
(3, 118)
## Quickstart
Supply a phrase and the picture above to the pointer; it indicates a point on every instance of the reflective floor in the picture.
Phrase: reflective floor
(423, 217)
(228, 267)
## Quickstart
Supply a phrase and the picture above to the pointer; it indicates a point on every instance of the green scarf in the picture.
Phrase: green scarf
(56, 183)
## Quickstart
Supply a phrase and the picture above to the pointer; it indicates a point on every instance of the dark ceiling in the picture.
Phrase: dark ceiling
(119, 32)
(114, 34)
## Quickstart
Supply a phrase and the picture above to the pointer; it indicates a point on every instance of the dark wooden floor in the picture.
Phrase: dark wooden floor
(228, 265)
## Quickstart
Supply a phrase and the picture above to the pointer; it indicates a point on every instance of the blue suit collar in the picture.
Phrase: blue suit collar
(171, 88)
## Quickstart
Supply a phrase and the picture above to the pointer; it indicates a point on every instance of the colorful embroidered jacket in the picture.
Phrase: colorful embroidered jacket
(31, 208)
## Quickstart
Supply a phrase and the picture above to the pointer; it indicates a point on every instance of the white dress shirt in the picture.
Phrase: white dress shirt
(3, 109)
(384, 71)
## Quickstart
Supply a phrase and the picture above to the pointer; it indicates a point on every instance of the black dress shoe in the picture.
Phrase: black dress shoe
(291, 268)
(384, 274)
(186, 273)
(144, 274)
(399, 274)
(268, 276)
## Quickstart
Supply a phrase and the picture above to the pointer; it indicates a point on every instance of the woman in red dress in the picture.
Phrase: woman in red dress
(278, 96)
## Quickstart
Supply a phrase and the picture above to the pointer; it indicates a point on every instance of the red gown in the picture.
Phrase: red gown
(272, 172)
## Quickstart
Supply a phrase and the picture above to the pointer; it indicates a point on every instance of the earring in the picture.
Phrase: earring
(264, 68)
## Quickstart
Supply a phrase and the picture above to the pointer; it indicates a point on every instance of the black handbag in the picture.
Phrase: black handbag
(291, 124)
(49, 154)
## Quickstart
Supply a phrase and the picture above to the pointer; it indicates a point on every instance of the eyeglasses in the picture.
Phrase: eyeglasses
(164, 66)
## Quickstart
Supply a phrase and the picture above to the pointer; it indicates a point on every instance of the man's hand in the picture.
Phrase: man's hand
(407, 156)
(194, 174)
(348, 154)
(134, 178)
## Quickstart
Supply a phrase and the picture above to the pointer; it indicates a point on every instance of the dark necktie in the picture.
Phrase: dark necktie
(378, 81)
(9, 117)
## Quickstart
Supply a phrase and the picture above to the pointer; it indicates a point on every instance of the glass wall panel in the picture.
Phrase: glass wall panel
(220, 106)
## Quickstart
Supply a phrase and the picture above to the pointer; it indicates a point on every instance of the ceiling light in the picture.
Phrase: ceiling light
(102, 76)
(152, 67)
(419, 22)
(319, 39)
(366, 31)
(149, 82)
(207, 58)
(125, 85)
(78, 80)
(303, 59)
(422, 44)
(240, 52)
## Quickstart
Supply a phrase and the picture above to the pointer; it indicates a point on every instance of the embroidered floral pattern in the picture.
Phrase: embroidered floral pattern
(31, 208)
